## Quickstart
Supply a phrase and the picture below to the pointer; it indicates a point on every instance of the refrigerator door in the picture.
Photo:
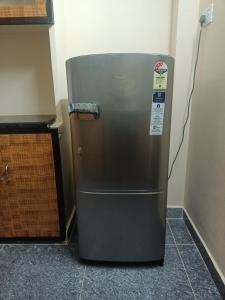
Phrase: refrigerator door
(121, 169)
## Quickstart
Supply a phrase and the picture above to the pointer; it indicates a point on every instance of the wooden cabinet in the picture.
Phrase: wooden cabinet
(26, 12)
(28, 197)
(32, 201)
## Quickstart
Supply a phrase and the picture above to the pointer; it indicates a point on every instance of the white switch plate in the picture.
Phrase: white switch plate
(208, 12)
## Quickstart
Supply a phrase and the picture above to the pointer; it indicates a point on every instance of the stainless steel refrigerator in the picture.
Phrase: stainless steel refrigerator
(120, 110)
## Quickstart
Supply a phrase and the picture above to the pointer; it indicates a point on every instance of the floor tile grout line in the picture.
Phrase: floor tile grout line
(187, 230)
(82, 285)
(189, 281)
(176, 245)
(206, 267)
(34, 244)
(170, 233)
(203, 260)
(178, 218)
(194, 244)
(179, 244)
(189, 233)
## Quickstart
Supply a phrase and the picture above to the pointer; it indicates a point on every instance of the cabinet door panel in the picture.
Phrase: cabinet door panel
(17, 8)
(5, 210)
(31, 190)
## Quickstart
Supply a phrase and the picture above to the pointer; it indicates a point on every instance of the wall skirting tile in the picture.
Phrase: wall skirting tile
(205, 255)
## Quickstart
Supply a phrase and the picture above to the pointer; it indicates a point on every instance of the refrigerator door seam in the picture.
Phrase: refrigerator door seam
(124, 193)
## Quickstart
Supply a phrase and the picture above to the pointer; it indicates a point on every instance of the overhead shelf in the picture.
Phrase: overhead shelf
(15, 12)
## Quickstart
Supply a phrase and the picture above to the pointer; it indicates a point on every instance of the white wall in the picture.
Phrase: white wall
(26, 85)
(98, 26)
(184, 50)
(117, 26)
(205, 195)
(58, 46)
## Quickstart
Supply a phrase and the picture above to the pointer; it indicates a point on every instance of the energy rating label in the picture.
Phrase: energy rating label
(160, 76)
(157, 114)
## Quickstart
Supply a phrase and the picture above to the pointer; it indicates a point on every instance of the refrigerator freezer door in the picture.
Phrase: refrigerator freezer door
(121, 227)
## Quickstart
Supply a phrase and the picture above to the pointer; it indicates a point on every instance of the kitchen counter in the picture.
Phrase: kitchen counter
(26, 122)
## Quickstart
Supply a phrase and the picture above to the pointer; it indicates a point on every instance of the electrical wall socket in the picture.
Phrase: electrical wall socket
(208, 12)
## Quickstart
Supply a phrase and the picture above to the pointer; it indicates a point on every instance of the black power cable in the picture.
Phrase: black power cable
(189, 102)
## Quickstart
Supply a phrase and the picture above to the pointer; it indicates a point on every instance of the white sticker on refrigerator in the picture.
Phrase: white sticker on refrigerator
(160, 76)
(157, 114)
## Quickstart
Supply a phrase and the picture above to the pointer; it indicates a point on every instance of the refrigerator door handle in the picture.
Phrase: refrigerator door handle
(84, 111)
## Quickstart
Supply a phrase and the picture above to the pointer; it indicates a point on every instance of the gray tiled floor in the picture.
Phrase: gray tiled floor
(54, 272)
(174, 212)
(180, 232)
